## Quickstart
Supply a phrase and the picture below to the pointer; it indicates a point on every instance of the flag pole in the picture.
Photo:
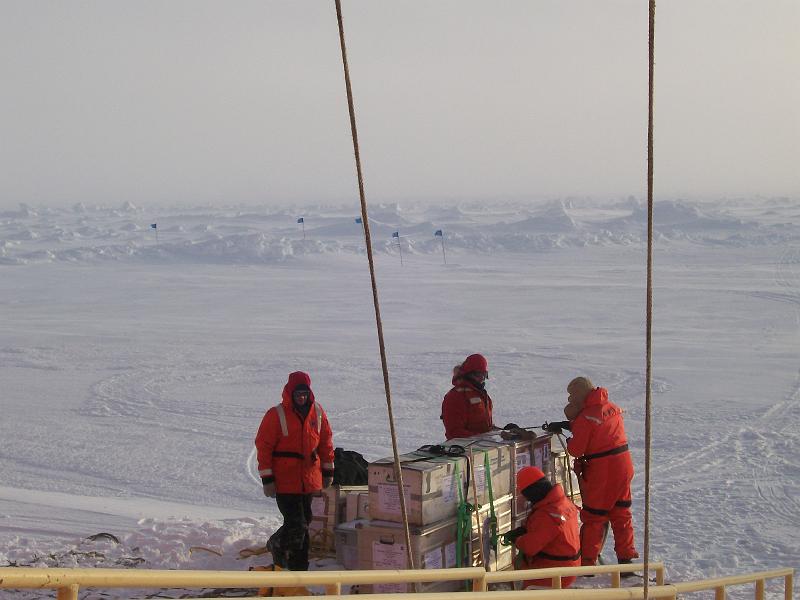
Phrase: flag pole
(400, 247)
(444, 256)
(304, 229)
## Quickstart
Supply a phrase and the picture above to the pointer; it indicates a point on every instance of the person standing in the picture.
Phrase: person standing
(604, 468)
(467, 407)
(295, 461)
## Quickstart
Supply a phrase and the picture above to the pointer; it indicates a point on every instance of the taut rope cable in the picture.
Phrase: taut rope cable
(368, 239)
(649, 353)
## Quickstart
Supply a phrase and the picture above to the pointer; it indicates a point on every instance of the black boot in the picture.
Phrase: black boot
(626, 561)
(275, 547)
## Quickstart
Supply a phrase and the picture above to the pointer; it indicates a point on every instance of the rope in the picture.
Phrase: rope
(649, 353)
(368, 240)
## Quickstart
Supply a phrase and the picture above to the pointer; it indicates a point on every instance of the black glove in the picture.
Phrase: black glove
(509, 538)
(556, 426)
(510, 427)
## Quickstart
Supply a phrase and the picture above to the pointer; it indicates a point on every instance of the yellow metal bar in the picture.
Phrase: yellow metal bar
(660, 574)
(760, 589)
(788, 585)
(719, 593)
(479, 583)
(539, 594)
(334, 589)
(32, 578)
(502, 576)
(615, 579)
(69, 592)
(710, 584)
(556, 582)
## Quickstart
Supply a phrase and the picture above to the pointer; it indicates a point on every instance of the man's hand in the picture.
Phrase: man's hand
(510, 537)
(327, 481)
(269, 490)
(556, 426)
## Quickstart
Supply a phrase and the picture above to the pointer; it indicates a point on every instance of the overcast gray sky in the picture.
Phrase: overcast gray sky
(198, 101)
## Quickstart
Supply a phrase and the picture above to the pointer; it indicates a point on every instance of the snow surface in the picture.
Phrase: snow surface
(134, 374)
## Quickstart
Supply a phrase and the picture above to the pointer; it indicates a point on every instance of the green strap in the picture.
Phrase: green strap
(463, 525)
(492, 516)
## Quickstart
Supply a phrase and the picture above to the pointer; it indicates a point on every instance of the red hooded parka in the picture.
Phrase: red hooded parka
(466, 410)
(601, 448)
(293, 451)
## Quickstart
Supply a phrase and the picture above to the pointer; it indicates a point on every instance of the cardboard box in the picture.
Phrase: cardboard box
(561, 465)
(500, 465)
(431, 486)
(381, 545)
(357, 506)
(346, 540)
(328, 509)
(521, 457)
(503, 557)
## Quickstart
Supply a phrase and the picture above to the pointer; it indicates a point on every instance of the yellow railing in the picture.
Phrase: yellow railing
(67, 582)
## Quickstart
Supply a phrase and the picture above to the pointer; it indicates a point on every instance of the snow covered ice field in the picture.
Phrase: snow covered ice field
(134, 375)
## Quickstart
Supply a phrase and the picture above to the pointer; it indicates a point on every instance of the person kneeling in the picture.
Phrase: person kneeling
(550, 537)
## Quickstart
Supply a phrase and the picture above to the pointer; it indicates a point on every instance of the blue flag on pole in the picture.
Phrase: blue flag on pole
(396, 234)
(438, 233)
(153, 226)
(301, 220)
(359, 221)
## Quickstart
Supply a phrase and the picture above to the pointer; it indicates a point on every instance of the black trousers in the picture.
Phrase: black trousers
(293, 539)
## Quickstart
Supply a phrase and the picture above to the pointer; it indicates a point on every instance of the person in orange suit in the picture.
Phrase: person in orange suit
(295, 461)
(604, 468)
(467, 407)
(550, 536)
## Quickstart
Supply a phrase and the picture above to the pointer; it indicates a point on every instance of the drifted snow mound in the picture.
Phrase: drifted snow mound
(253, 248)
(671, 216)
(224, 235)
(553, 219)
(155, 544)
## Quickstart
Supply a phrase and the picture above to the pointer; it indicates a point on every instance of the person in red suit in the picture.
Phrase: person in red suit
(550, 536)
(467, 408)
(295, 461)
(604, 468)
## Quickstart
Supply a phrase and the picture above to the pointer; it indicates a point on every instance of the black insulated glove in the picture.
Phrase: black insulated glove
(557, 426)
(509, 538)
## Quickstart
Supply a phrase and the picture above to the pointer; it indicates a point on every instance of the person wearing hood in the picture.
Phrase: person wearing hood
(295, 461)
(550, 536)
(467, 408)
(604, 468)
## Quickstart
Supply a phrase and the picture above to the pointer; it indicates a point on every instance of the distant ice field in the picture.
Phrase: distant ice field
(134, 375)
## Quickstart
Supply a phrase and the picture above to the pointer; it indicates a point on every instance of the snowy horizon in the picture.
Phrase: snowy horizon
(135, 372)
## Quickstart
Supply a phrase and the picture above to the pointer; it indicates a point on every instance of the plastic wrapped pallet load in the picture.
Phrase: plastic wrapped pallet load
(381, 545)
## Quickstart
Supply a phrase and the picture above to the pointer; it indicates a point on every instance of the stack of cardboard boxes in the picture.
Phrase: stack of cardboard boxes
(365, 526)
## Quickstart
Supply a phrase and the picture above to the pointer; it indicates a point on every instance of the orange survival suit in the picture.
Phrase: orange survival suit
(605, 470)
(550, 537)
(295, 451)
